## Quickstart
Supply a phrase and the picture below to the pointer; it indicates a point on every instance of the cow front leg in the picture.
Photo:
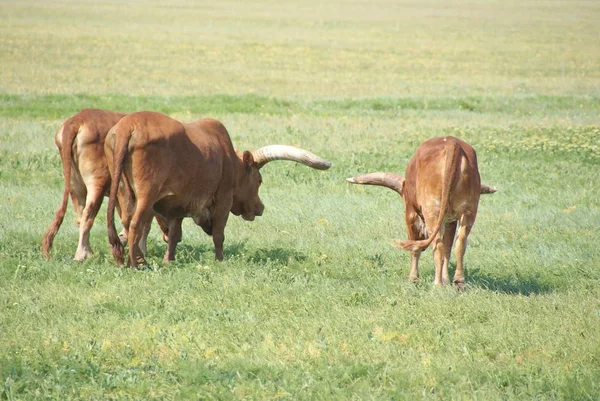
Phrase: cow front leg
(219, 219)
(174, 237)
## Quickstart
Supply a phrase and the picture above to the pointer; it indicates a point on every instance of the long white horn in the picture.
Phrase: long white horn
(388, 180)
(486, 189)
(284, 152)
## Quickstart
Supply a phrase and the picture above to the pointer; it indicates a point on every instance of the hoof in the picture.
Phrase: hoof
(459, 284)
(141, 262)
(82, 255)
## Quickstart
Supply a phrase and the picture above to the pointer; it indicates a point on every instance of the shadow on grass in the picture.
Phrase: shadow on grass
(196, 252)
(513, 285)
(280, 256)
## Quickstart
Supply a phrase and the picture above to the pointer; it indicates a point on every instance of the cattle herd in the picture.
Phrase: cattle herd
(154, 167)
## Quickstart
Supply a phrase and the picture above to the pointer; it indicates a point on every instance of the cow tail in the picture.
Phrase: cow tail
(121, 143)
(69, 133)
(450, 173)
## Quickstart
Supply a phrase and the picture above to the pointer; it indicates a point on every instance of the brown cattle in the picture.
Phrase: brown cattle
(441, 188)
(185, 170)
(80, 142)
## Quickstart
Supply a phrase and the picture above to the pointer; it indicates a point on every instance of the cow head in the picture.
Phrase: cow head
(246, 201)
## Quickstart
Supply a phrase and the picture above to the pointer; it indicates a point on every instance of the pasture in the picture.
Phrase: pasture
(312, 300)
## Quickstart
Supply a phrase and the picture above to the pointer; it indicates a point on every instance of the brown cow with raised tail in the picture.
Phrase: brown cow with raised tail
(185, 170)
(440, 191)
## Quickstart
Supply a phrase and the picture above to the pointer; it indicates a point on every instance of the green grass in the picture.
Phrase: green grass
(312, 301)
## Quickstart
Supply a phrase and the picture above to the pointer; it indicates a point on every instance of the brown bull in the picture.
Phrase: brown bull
(185, 170)
(441, 188)
(80, 142)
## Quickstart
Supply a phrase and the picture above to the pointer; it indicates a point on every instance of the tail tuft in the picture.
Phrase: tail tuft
(117, 252)
(411, 246)
(46, 245)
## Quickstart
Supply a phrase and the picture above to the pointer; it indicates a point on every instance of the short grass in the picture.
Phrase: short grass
(311, 301)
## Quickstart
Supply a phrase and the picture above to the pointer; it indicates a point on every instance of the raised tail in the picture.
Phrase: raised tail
(450, 170)
(120, 138)
(69, 132)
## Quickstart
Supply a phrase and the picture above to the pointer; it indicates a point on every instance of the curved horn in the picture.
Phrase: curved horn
(389, 180)
(486, 189)
(284, 152)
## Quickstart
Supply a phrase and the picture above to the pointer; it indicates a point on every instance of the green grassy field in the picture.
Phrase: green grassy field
(312, 301)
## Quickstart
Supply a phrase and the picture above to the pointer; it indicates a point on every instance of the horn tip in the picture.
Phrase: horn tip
(351, 180)
(322, 165)
(486, 189)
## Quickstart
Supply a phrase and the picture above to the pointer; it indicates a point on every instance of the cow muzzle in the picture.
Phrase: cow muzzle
(259, 210)
(248, 216)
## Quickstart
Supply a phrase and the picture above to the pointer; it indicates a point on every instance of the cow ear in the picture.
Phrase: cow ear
(248, 159)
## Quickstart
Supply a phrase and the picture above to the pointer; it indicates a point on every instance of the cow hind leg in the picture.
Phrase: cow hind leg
(413, 275)
(126, 205)
(437, 245)
(438, 260)
(448, 240)
(78, 202)
(78, 194)
(93, 201)
(414, 227)
(142, 217)
(461, 246)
